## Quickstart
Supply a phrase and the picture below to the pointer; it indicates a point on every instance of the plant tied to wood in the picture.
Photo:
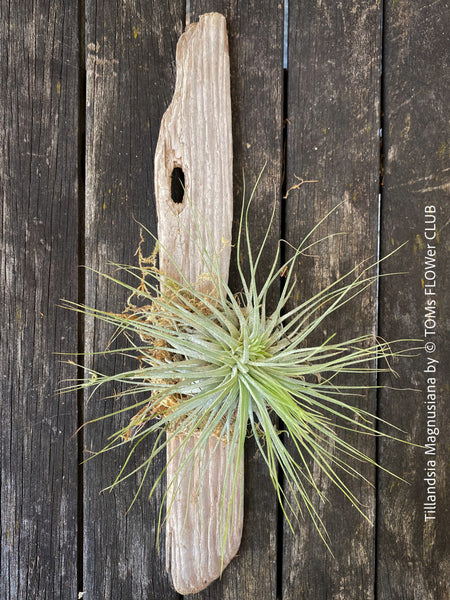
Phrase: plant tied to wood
(220, 365)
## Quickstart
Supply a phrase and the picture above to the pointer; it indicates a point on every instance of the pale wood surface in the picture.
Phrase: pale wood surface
(196, 136)
(198, 517)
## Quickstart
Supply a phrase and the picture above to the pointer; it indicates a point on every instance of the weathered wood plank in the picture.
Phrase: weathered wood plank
(130, 79)
(333, 137)
(255, 32)
(197, 520)
(39, 49)
(195, 142)
(414, 554)
(195, 136)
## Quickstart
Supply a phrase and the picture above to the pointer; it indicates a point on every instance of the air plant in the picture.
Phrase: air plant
(220, 364)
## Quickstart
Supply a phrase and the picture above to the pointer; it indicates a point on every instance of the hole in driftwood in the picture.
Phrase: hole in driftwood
(177, 185)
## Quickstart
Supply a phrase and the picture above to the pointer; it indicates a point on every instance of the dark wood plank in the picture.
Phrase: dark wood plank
(39, 49)
(333, 137)
(130, 80)
(414, 554)
(256, 61)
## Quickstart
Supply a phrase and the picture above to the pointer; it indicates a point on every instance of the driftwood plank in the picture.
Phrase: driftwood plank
(413, 532)
(197, 519)
(39, 62)
(195, 143)
(333, 137)
(255, 35)
(130, 77)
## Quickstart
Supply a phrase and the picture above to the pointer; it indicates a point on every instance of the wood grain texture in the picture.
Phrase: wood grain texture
(130, 77)
(333, 137)
(198, 517)
(414, 555)
(255, 37)
(195, 136)
(39, 89)
(130, 61)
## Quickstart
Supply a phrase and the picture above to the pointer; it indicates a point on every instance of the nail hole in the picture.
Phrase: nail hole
(177, 185)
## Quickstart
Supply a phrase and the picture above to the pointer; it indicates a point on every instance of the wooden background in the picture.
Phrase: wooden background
(83, 87)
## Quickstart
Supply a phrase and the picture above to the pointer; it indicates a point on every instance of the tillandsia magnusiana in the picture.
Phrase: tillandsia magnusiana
(220, 364)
